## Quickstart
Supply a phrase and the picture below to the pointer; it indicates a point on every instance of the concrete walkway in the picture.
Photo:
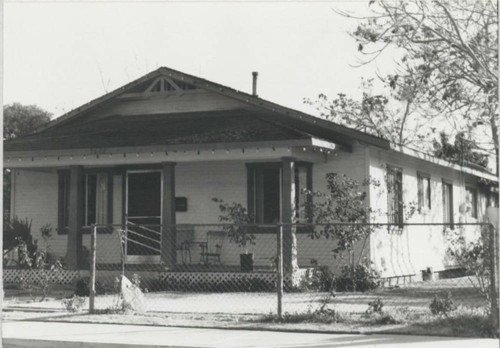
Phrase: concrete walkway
(47, 334)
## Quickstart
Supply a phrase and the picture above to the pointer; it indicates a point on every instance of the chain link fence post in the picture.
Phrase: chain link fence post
(279, 269)
(493, 275)
(93, 244)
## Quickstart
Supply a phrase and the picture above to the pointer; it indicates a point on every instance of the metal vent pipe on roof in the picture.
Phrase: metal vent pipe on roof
(254, 84)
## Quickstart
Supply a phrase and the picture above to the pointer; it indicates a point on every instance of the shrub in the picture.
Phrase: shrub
(74, 304)
(17, 233)
(442, 306)
(82, 287)
(361, 277)
(320, 278)
(375, 306)
(324, 316)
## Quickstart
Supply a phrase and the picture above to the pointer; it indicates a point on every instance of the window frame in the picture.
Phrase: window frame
(474, 204)
(451, 208)
(395, 217)
(252, 186)
(421, 176)
(64, 187)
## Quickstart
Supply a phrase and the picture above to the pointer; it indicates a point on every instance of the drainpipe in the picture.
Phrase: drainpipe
(254, 84)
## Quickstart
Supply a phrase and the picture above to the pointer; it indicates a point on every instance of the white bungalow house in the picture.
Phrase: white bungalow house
(157, 150)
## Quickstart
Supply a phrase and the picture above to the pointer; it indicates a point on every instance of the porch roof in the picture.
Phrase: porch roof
(172, 129)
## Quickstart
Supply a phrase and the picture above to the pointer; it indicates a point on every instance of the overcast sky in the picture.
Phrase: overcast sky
(62, 55)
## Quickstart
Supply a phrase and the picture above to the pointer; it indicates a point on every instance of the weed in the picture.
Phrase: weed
(74, 304)
(442, 306)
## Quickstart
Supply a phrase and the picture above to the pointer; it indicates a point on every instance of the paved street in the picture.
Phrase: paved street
(46, 334)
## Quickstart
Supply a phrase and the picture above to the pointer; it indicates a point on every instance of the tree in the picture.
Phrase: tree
(447, 50)
(392, 115)
(462, 151)
(19, 120)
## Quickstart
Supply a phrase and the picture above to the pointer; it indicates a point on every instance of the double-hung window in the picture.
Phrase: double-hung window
(424, 190)
(448, 203)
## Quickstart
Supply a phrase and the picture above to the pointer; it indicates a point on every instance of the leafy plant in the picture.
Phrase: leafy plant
(474, 256)
(237, 216)
(375, 306)
(321, 278)
(361, 277)
(343, 203)
(17, 234)
(46, 231)
(442, 306)
(74, 304)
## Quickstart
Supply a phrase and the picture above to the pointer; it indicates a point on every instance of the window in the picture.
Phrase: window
(303, 181)
(63, 202)
(424, 190)
(471, 201)
(448, 203)
(96, 195)
(395, 195)
(264, 191)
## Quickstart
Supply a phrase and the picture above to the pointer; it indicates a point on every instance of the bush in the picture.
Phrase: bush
(74, 304)
(361, 277)
(82, 287)
(375, 306)
(442, 306)
(320, 278)
(324, 316)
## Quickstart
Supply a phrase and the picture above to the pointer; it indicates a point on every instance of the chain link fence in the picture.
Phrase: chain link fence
(301, 268)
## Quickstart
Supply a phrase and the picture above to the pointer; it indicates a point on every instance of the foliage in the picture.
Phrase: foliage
(74, 303)
(474, 256)
(391, 115)
(343, 203)
(238, 217)
(17, 234)
(324, 316)
(82, 287)
(43, 275)
(442, 306)
(21, 119)
(462, 151)
(361, 277)
(375, 306)
(46, 231)
(321, 278)
(446, 51)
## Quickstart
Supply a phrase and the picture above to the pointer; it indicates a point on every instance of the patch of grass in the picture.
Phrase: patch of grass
(464, 322)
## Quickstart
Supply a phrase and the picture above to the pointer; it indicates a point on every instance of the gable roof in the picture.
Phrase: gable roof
(297, 119)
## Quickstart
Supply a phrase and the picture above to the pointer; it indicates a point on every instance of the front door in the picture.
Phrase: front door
(143, 216)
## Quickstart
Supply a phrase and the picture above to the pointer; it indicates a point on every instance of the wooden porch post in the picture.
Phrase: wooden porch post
(290, 264)
(168, 238)
(75, 218)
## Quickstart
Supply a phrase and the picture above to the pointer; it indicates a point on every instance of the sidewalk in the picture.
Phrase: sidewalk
(50, 334)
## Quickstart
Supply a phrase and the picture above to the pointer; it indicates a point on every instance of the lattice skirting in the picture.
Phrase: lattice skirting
(63, 277)
(215, 277)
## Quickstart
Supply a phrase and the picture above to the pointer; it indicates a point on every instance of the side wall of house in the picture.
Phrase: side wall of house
(416, 248)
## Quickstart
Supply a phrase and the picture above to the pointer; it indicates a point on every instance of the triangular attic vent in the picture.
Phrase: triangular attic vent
(166, 85)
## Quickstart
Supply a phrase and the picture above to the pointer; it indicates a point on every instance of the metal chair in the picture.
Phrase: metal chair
(212, 252)
(184, 240)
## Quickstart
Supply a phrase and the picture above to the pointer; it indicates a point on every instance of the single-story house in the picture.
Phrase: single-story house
(159, 149)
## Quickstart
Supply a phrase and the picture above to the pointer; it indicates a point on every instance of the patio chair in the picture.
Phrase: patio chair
(213, 249)
(184, 240)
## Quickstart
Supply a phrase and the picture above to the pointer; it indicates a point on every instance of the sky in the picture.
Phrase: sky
(60, 55)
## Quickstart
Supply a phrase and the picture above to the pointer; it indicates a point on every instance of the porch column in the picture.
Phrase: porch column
(290, 264)
(168, 238)
(75, 218)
